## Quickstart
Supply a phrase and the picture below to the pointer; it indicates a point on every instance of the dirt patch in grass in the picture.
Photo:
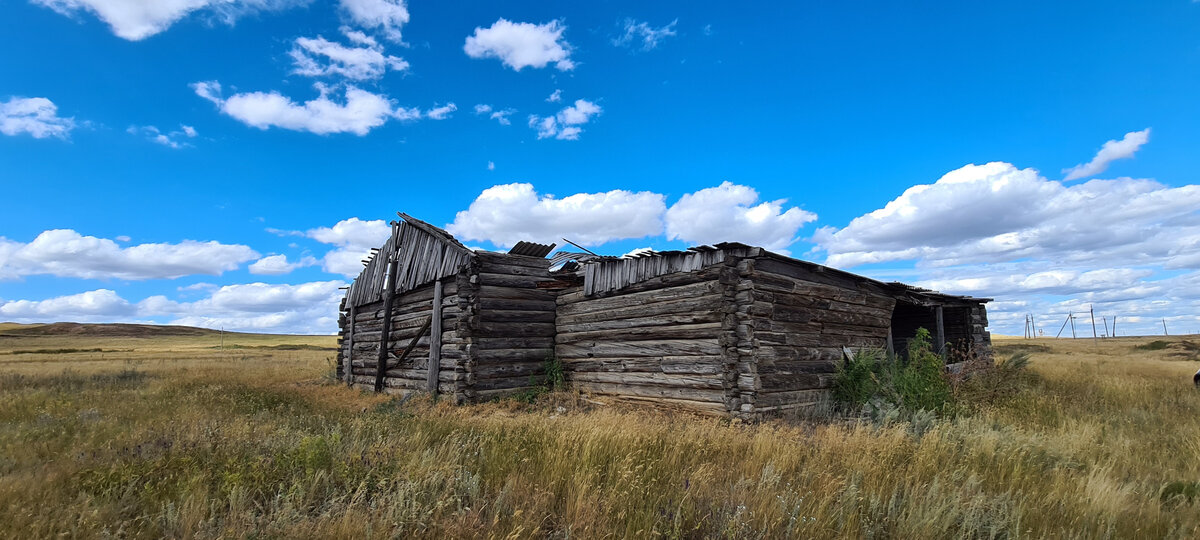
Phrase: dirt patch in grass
(1016, 348)
(1174, 350)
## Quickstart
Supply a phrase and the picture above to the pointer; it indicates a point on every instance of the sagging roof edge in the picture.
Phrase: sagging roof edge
(889, 286)
(893, 287)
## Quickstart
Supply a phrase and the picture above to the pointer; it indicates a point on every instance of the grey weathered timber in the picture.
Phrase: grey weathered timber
(435, 343)
(384, 334)
(940, 339)
(724, 329)
(349, 369)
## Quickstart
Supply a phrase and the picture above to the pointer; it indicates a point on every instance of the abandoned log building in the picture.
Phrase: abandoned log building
(727, 329)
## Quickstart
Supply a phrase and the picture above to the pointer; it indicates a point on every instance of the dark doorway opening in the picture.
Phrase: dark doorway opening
(906, 319)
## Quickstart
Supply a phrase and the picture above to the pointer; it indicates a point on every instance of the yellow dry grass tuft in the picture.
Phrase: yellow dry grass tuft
(173, 437)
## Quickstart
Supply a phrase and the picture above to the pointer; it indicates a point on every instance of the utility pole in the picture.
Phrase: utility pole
(1114, 326)
(1063, 327)
(1092, 312)
(1165, 328)
(1105, 321)
(1072, 319)
(1032, 326)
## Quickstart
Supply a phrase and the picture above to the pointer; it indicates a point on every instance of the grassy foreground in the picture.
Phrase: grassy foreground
(172, 437)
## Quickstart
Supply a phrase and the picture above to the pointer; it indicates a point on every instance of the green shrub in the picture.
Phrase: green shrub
(552, 379)
(884, 383)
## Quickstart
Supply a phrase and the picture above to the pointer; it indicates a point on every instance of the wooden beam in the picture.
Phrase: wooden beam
(435, 340)
(349, 370)
(389, 294)
(411, 345)
(940, 339)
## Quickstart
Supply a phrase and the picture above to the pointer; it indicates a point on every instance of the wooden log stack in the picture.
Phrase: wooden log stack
(731, 330)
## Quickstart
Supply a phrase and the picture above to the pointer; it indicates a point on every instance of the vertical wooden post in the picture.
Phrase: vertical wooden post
(389, 294)
(1092, 313)
(891, 349)
(350, 347)
(1165, 328)
(940, 342)
(435, 340)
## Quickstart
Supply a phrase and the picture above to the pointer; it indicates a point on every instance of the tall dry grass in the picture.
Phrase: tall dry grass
(221, 446)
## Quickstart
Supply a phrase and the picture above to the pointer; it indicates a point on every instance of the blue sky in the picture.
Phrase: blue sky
(225, 164)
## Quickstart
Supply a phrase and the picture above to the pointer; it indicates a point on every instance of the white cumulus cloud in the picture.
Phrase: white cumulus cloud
(565, 125)
(36, 116)
(275, 265)
(1110, 152)
(361, 112)
(100, 304)
(304, 308)
(733, 213)
(506, 214)
(353, 239)
(385, 16)
(138, 19)
(441, 112)
(66, 253)
(319, 57)
(521, 45)
(997, 212)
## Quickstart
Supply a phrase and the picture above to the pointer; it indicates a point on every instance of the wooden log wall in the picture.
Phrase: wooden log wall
(658, 341)
(966, 328)
(801, 320)
(409, 313)
(509, 323)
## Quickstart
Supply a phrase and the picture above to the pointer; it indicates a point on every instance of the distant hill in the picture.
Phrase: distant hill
(102, 330)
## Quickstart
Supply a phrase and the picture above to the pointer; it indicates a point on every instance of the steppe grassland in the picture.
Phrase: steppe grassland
(177, 436)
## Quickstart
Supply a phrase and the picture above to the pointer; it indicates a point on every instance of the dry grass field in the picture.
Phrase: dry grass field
(138, 434)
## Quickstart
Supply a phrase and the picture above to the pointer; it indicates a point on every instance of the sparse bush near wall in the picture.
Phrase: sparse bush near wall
(552, 380)
(888, 387)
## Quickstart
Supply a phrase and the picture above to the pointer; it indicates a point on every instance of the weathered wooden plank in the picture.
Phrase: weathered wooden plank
(486, 356)
(693, 365)
(496, 267)
(830, 328)
(509, 369)
(667, 347)
(509, 280)
(584, 324)
(513, 315)
(349, 347)
(541, 304)
(709, 303)
(652, 391)
(789, 398)
(435, 343)
(388, 297)
(693, 290)
(648, 378)
(677, 331)
(516, 329)
(488, 258)
(493, 342)
(492, 291)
